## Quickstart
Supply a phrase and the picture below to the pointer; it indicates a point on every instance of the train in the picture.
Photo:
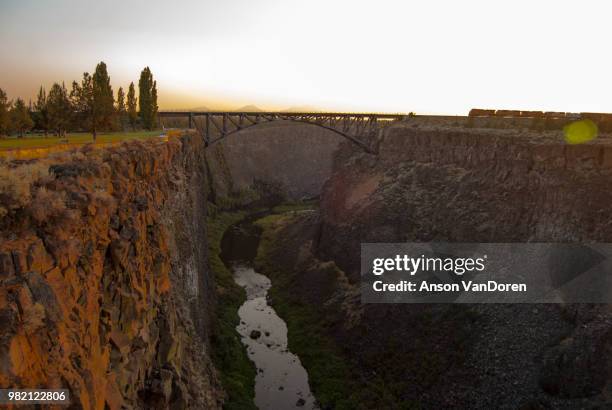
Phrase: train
(597, 117)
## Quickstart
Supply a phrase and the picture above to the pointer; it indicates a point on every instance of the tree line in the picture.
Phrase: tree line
(89, 106)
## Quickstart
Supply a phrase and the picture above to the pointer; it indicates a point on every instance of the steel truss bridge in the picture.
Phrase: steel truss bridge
(214, 126)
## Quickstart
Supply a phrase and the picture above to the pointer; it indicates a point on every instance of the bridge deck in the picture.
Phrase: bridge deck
(280, 113)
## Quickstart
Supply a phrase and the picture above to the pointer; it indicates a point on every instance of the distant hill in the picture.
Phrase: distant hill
(249, 108)
(192, 109)
(185, 109)
(302, 108)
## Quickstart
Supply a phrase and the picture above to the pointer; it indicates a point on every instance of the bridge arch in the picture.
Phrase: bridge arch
(359, 128)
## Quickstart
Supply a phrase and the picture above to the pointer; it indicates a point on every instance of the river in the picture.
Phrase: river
(281, 382)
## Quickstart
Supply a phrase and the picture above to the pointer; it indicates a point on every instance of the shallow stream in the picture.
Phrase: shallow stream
(281, 381)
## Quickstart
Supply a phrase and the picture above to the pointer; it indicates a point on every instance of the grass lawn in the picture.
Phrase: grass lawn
(40, 141)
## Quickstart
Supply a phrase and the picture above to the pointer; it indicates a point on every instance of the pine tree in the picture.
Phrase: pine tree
(131, 106)
(93, 101)
(154, 106)
(145, 100)
(4, 113)
(41, 119)
(121, 100)
(82, 101)
(121, 109)
(103, 101)
(59, 109)
(20, 117)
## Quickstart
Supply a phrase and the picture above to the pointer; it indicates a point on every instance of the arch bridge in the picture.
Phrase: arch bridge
(360, 128)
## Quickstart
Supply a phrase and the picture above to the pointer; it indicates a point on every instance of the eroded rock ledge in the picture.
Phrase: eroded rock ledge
(103, 283)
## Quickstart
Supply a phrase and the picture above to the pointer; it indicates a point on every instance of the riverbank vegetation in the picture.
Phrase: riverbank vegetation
(329, 375)
(237, 372)
(313, 297)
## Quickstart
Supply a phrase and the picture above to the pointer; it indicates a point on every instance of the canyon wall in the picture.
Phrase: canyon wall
(296, 156)
(104, 287)
(105, 283)
(444, 183)
(471, 185)
(433, 183)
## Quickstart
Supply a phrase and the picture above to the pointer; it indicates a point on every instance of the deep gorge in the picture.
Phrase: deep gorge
(114, 283)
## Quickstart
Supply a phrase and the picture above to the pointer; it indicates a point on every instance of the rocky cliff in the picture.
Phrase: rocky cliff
(472, 185)
(105, 287)
(103, 281)
(444, 183)
(478, 185)
(298, 157)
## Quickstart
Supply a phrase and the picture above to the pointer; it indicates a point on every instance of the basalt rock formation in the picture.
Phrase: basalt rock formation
(296, 156)
(478, 185)
(105, 289)
(103, 282)
(441, 183)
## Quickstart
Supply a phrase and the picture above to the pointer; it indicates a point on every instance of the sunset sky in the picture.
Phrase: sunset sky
(397, 56)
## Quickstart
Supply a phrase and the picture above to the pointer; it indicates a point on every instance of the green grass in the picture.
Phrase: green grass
(294, 207)
(237, 372)
(40, 141)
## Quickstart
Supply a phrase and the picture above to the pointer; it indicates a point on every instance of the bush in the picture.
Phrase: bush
(271, 193)
(47, 205)
(15, 185)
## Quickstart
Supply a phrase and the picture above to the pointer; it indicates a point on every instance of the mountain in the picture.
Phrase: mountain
(302, 108)
(249, 108)
(202, 108)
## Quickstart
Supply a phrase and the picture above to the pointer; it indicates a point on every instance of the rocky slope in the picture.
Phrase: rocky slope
(103, 281)
(433, 183)
(296, 156)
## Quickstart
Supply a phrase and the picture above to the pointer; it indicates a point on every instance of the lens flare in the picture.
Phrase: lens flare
(579, 132)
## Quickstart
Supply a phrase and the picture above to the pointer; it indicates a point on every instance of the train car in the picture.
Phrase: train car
(554, 114)
(507, 113)
(532, 114)
(478, 112)
(593, 116)
(572, 116)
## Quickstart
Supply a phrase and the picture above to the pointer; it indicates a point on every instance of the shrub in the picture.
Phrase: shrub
(47, 205)
(271, 193)
(16, 182)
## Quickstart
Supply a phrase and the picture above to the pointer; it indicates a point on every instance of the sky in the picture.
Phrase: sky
(424, 56)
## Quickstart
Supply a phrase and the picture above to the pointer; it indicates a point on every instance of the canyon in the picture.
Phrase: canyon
(112, 283)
